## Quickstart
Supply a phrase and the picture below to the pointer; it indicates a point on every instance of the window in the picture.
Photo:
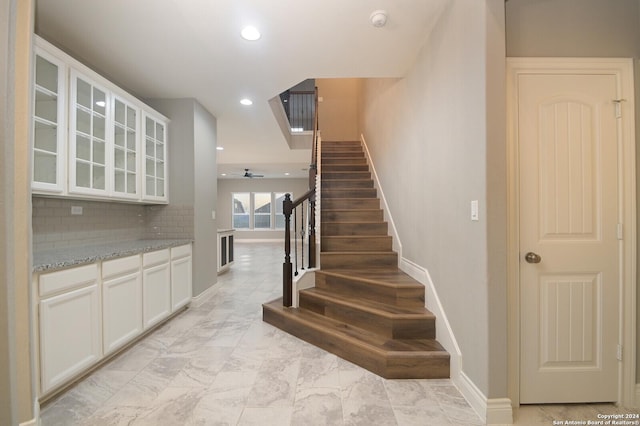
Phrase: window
(279, 213)
(241, 208)
(262, 210)
(258, 210)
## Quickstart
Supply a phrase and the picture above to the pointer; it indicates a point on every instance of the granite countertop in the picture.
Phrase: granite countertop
(50, 260)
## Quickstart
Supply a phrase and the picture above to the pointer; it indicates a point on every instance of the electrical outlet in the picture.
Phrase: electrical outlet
(76, 210)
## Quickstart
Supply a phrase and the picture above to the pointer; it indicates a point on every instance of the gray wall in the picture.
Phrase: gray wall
(205, 192)
(573, 28)
(431, 136)
(192, 179)
(579, 28)
(227, 186)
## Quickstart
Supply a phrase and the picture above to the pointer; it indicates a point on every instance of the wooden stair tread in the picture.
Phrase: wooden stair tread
(382, 309)
(367, 340)
(388, 277)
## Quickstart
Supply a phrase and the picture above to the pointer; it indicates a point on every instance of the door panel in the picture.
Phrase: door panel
(568, 151)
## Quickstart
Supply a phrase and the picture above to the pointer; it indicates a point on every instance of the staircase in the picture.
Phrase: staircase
(362, 308)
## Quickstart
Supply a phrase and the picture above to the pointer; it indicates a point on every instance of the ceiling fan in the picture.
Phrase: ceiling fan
(250, 175)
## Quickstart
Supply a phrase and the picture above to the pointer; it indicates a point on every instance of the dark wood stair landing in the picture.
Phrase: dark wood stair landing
(363, 308)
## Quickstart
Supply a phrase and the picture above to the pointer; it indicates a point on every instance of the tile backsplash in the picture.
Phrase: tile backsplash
(102, 222)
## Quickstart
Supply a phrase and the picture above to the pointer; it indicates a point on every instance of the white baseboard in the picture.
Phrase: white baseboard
(397, 244)
(444, 332)
(35, 421)
(32, 422)
(499, 411)
(496, 411)
(203, 297)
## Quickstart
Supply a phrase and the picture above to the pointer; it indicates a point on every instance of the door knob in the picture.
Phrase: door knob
(532, 257)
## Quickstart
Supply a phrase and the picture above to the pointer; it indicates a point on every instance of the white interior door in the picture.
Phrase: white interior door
(567, 130)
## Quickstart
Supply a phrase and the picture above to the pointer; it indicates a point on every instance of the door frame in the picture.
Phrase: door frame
(623, 69)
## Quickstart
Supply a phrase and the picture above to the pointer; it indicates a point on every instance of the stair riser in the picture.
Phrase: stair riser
(389, 367)
(341, 144)
(412, 296)
(342, 260)
(349, 193)
(350, 204)
(423, 327)
(345, 168)
(345, 175)
(382, 243)
(346, 184)
(343, 161)
(342, 154)
(354, 228)
(352, 215)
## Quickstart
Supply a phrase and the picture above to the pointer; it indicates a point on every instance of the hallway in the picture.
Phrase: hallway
(219, 364)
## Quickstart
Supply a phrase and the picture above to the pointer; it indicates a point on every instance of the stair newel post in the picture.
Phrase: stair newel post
(287, 269)
(302, 235)
(295, 240)
(312, 231)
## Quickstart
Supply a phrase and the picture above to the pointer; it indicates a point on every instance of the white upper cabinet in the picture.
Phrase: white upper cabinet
(91, 139)
(155, 163)
(88, 137)
(49, 125)
(126, 146)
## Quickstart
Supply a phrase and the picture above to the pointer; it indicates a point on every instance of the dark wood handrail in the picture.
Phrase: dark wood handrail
(288, 207)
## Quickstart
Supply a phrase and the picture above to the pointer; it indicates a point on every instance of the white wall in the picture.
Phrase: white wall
(430, 136)
(226, 187)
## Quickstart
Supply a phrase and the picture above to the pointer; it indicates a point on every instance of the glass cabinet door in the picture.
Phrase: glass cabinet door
(125, 149)
(48, 123)
(87, 137)
(155, 148)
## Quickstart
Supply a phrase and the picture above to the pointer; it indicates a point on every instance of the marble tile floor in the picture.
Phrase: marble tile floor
(219, 364)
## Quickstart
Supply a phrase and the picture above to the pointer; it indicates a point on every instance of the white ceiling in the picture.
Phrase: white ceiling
(192, 49)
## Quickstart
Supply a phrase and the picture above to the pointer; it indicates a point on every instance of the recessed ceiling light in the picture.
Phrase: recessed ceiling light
(220, 148)
(250, 33)
(246, 101)
(287, 174)
(223, 174)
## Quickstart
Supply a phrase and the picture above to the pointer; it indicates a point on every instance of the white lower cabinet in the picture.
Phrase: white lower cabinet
(70, 324)
(91, 311)
(180, 276)
(156, 287)
(121, 301)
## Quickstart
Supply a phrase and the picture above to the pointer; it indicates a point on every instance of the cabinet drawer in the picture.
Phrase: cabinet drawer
(181, 251)
(56, 282)
(120, 266)
(155, 257)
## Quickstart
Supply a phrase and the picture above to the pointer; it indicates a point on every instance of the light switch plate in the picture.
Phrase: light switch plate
(474, 210)
(76, 210)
